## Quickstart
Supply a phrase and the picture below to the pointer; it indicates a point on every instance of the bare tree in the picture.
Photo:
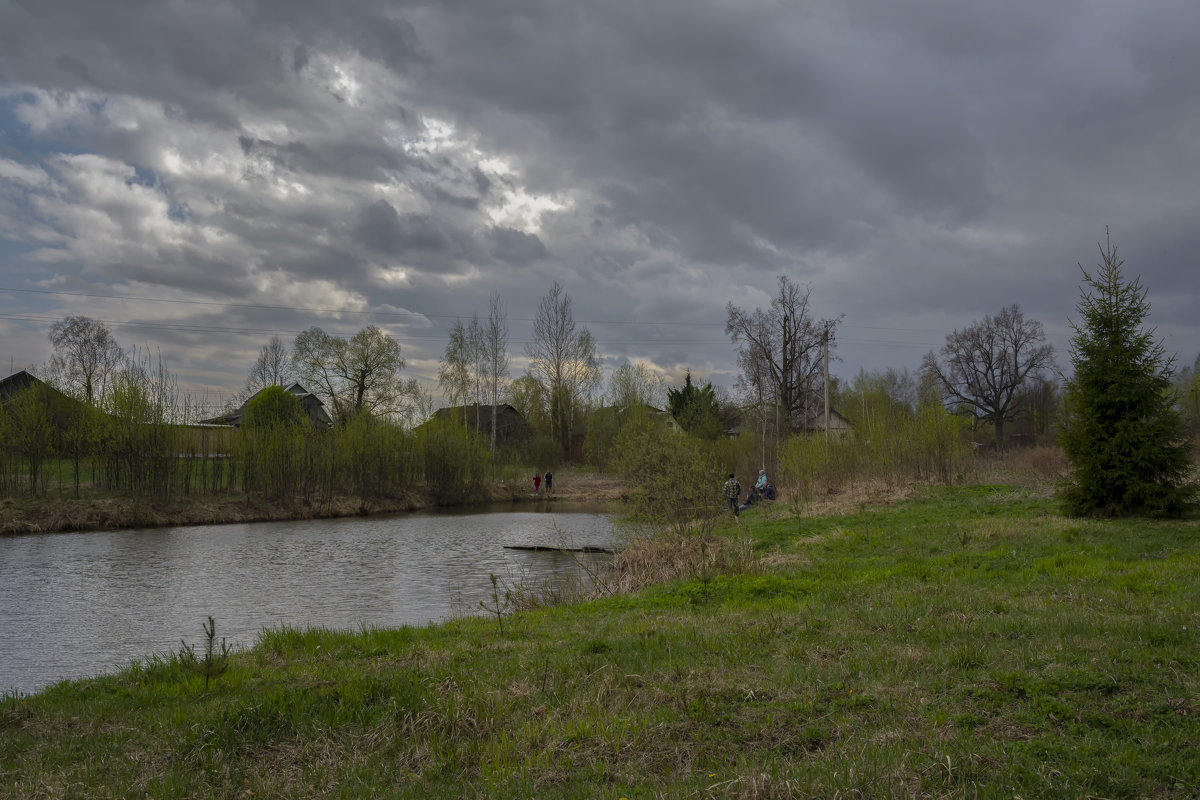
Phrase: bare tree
(273, 367)
(420, 406)
(564, 360)
(528, 397)
(495, 349)
(86, 356)
(635, 384)
(982, 367)
(781, 355)
(454, 370)
(354, 376)
(475, 349)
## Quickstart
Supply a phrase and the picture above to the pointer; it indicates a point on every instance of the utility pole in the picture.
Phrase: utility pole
(825, 347)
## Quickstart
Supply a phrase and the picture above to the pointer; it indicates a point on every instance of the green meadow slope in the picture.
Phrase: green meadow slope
(970, 642)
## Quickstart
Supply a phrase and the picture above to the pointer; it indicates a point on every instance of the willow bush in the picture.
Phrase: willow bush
(456, 462)
(893, 448)
(371, 457)
(272, 460)
(138, 448)
(270, 442)
(744, 456)
(673, 481)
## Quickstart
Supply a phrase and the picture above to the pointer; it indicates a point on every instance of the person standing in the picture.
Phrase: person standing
(732, 490)
(537, 483)
(549, 479)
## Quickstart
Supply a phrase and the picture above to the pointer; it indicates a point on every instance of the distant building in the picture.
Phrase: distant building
(511, 427)
(312, 404)
(840, 428)
(206, 438)
(17, 382)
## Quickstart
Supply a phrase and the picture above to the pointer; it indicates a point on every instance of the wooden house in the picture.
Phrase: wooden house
(511, 427)
(840, 428)
(312, 404)
(204, 438)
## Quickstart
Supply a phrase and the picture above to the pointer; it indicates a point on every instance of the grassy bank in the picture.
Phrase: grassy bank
(969, 642)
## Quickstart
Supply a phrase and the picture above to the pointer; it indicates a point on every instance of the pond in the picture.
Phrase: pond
(79, 604)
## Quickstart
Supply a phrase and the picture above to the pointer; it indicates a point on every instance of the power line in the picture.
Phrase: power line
(412, 314)
(193, 328)
(260, 307)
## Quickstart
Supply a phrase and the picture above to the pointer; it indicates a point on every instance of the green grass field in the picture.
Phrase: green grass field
(971, 642)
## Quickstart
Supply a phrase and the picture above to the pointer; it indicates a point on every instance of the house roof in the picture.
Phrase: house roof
(509, 421)
(22, 380)
(312, 404)
(16, 382)
(503, 408)
(816, 421)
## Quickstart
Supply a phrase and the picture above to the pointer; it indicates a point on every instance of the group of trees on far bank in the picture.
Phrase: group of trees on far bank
(1124, 418)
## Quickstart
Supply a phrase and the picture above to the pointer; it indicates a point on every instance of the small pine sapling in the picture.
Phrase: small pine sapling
(215, 660)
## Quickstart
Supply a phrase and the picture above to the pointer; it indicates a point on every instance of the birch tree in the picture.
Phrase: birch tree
(495, 347)
(454, 370)
(272, 368)
(86, 356)
(563, 359)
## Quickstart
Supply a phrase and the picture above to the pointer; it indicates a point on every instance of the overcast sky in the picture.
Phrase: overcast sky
(202, 174)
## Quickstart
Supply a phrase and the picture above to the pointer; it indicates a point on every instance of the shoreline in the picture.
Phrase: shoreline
(31, 516)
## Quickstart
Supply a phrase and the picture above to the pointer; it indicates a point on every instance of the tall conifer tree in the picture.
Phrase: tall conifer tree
(1122, 433)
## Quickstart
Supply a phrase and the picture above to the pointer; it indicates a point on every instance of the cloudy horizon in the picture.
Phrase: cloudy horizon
(201, 176)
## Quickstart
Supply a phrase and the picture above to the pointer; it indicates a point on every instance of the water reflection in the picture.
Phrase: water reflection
(73, 605)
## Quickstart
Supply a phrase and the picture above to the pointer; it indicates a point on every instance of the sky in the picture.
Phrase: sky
(203, 174)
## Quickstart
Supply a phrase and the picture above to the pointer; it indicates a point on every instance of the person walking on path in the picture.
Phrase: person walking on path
(549, 478)
(732, 490)
(537, 483)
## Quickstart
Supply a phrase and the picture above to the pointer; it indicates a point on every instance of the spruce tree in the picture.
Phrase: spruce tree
(695, 408)
(1122, 433)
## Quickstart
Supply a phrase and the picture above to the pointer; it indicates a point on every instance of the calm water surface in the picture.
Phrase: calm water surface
(79, 604)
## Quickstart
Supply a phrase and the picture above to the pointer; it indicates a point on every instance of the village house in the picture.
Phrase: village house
(840, 428)
(312, 404)
(204, 437)
(511, 427)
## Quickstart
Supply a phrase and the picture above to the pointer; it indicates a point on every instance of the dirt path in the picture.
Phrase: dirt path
(586, 487)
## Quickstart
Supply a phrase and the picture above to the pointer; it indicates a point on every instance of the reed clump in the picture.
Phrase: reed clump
(649, 560)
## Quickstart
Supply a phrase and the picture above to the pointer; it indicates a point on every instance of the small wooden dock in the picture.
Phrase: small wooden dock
(542, 548)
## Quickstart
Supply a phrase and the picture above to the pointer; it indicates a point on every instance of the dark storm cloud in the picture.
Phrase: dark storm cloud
(920, 163)
(755, 115)
(156, 49)
(515, 247)
(360, 159)
(381, 228)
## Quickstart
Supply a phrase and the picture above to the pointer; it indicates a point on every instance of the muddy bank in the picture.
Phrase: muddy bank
(20, 515)
(569, 486)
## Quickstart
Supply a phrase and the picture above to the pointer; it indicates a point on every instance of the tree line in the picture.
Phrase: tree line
(990, 376)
